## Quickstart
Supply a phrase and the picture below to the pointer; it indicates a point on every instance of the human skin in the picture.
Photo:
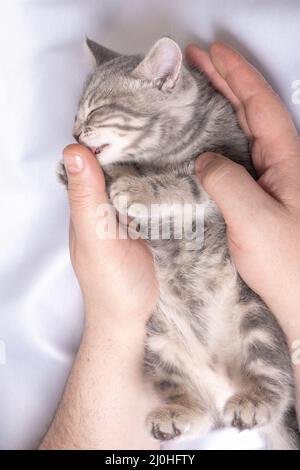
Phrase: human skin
(106, 401)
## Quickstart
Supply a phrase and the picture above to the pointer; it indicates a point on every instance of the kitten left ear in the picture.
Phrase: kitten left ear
(100, 53)
(161, 65)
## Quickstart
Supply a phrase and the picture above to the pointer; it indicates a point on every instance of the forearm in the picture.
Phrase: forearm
(105, 401)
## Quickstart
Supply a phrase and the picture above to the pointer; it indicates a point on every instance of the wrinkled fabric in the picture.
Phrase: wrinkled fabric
(43, 65)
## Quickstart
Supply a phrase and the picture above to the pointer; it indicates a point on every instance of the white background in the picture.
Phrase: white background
(43, 65)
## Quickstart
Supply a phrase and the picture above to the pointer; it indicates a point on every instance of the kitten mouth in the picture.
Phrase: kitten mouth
(97, 150)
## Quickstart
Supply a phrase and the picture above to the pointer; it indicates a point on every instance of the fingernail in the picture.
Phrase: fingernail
(203, 160)
(74, 163)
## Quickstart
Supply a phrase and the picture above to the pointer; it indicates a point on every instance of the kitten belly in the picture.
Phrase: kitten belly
(194, 370)
(201, 362)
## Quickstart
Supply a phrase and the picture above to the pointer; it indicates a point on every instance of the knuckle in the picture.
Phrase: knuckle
(80, 196)
(217, 171)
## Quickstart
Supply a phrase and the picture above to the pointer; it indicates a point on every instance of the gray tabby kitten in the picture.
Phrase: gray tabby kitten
(214, 351)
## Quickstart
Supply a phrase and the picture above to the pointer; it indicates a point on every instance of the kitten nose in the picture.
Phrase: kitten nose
(77, 137)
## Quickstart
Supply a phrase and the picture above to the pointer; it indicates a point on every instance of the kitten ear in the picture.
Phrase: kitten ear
(100, 53)
(161, 65)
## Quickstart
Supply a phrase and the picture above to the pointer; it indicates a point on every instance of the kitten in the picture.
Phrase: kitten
(214, 351)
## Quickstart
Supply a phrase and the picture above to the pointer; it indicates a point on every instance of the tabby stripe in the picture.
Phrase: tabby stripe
(123, 128)
(269, 355)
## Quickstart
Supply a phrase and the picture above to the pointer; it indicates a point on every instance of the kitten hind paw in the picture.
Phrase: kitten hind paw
(168, 422)
(246, 412)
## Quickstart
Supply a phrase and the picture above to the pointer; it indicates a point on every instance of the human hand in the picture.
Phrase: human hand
(116, 275)
(106, 393)
(263, 217)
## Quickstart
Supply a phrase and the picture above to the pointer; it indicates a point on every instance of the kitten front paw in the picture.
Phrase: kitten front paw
(129, 198)
(62, 173)
(168, 422)
(246, 412)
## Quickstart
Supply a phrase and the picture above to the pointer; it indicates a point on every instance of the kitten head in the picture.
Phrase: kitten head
(132, 107)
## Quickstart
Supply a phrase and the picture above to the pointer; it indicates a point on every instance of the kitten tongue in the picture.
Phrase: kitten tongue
(93, 149)
(98, 150)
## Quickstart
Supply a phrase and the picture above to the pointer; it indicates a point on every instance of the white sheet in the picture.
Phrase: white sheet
(43, 64)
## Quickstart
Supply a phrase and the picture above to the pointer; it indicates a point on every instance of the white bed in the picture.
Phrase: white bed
(43, 65)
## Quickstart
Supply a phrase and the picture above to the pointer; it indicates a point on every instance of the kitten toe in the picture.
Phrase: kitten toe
(168, 422)
(245, 412)
(120, 202)
(138, 210)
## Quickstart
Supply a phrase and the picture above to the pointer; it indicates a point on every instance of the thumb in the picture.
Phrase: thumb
(86, 184)
(235, 192)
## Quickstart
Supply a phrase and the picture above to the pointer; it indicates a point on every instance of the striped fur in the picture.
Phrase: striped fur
(214, 351)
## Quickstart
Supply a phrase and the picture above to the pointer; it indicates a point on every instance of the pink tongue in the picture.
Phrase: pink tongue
(93, 149)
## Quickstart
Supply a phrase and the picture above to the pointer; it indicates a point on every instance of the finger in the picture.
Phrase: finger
(200, 58)
(268, 120)
(86, 184)
(235, 192)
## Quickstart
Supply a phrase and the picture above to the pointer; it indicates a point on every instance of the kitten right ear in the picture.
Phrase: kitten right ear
(100, 53)
(162, 64)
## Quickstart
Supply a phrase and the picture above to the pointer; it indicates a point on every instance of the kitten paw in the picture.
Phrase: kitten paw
(62, 173)
(168, 422)
(129, 198)
(246, 412)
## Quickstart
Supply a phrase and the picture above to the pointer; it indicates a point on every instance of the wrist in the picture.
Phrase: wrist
(117, 331)
(117, 313)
